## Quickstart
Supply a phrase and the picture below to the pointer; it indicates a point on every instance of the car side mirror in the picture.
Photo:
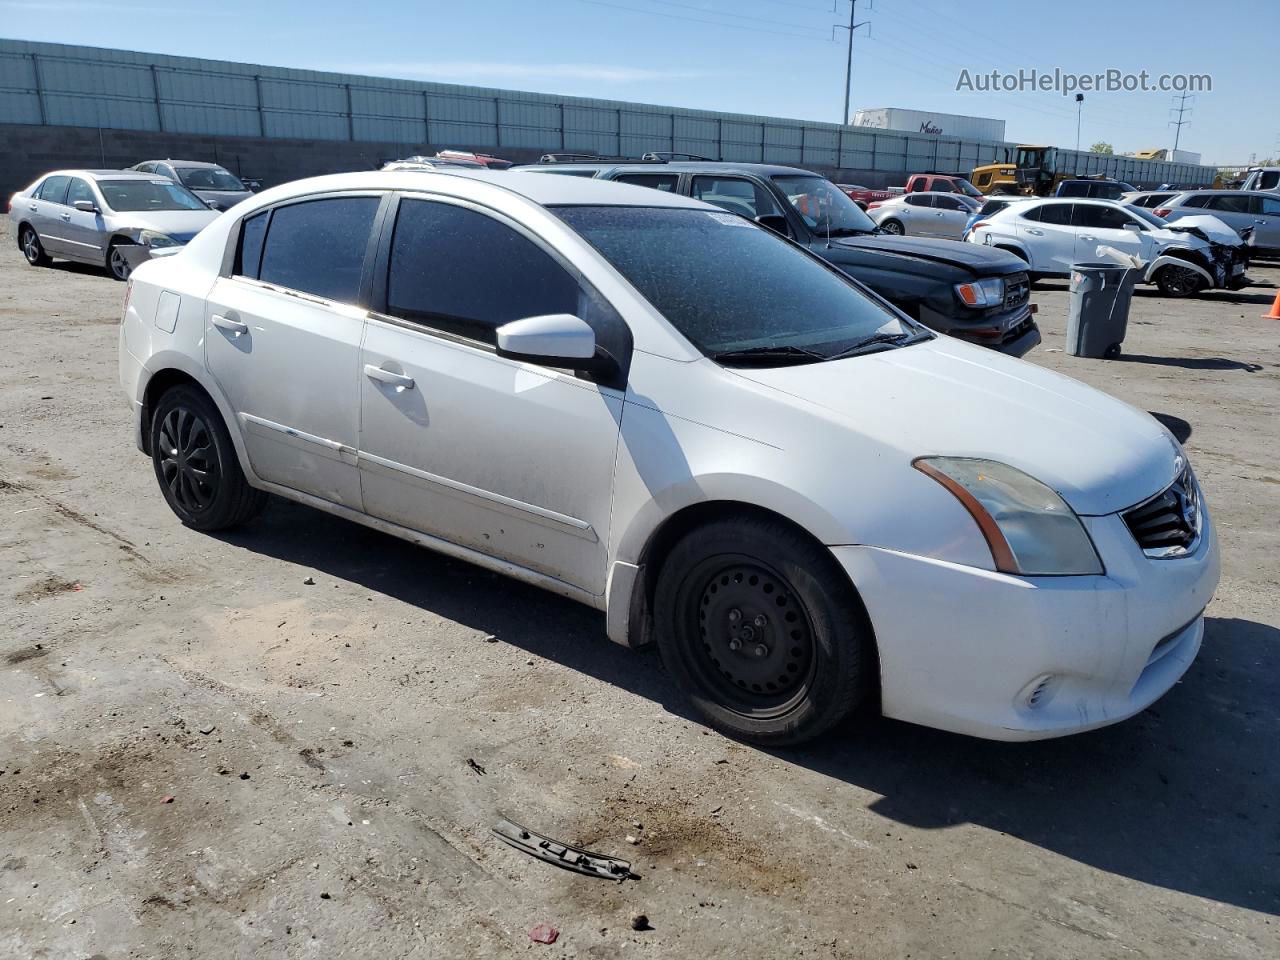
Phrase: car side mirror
(1135, 227)
(86, 206)
(212, 204)
(554, 340)
(775, 222)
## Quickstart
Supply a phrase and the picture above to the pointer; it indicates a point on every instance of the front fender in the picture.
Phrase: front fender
(1165, 260)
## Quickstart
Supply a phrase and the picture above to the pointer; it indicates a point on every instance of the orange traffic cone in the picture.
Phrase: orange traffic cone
(1275, 310)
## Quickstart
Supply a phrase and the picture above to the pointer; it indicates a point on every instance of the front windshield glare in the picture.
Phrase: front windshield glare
(822, 205)
(208, 178)
(729, 285)
(134, 195)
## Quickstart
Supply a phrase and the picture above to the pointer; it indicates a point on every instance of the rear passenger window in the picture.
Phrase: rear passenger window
(1199, 200)
(1230, 204)
(740, 196)
(1056, 213)
(318, 246)
(249, 256)
(665, 182)
(55, 189)
(465, 273)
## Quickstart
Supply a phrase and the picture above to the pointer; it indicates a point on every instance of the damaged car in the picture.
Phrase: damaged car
(1181, 259)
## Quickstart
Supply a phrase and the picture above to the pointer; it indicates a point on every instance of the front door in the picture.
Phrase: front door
(1267, 223)
(1102, 226)
(83, 229)
(514, 460)
(283, 341)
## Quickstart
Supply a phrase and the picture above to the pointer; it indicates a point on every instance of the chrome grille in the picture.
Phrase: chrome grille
(1017, 289)
(1168, 525)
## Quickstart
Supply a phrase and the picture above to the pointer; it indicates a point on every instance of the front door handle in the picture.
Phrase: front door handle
(66, 218)
(1037, 233)
(233, 327)
(388, 376)
(32, 208)
(1085, 236)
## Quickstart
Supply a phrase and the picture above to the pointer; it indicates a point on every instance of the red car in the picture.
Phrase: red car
(865, 196)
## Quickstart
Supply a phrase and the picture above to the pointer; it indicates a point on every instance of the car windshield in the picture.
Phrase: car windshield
(732, 287)
(133, 195)
(1146, 216)
(967, 188)
(209, 178)
(824, 207)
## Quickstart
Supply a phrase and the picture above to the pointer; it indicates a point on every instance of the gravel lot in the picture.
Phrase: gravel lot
(335, 752)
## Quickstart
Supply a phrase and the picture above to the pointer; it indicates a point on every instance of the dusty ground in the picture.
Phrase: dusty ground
(315, 739)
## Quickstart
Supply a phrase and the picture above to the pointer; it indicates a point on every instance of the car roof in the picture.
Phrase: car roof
(187, 163)
(102, 174)
(547, 191)
(674, 166)
(1231, 193)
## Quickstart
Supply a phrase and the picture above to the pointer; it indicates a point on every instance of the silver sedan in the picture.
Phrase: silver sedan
(924, 214)
(109, 218)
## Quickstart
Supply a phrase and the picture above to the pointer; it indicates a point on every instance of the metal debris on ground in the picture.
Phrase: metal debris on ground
(475, 766)
(562, 854)
(544, 933)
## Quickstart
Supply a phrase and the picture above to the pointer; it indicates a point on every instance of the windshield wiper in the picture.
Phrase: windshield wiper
(768, 356)
(875, 342)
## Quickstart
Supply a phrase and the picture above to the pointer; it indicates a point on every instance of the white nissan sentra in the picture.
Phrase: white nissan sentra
(667, 412)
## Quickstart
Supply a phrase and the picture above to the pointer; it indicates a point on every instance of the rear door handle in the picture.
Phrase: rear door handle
(66, 217)
(1037, 233)
(1085, 236)
(388, 377)
(32, 208)
(233, 327)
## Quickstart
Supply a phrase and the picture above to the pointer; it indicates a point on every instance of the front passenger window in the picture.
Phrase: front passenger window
(465, 273)
(318, 246)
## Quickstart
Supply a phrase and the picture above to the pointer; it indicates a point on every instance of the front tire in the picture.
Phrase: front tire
(1178, 282)
(760, 629)
(196, 465)
(32, 249)
(117, 265)
(893, 227)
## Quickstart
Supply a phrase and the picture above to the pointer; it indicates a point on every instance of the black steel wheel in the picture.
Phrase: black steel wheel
(117, 265)
(32, 248)
(893, 227)
(1177, 281)
(761, 629)
(196, 465)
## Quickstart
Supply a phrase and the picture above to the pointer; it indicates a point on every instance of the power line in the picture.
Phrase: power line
(739, 16)
(848, 67)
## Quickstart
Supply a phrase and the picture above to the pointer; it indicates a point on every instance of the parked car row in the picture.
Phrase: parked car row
(701, 425)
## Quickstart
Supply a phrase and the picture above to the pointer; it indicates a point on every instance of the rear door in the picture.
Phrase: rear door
(1267, 232)
(512, 459)
(1236, 210)
(45, 213)
(283, 338)
(915, 213)
(1047, 233)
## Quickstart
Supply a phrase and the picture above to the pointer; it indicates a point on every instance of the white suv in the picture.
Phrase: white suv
(671, 414)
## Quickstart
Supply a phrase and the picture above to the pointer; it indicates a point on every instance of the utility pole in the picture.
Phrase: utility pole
(848, 66)
(1181, 100)
(1079, 111)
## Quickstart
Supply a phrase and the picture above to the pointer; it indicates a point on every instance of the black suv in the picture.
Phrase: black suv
(966, 290)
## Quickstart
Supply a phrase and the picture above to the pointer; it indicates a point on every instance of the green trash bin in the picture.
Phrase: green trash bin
(1100, 298)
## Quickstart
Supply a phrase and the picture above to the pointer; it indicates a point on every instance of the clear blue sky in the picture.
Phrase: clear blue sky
(773, 57)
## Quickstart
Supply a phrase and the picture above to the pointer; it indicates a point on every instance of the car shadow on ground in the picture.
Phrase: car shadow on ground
(1184, 796)
(1213, 296)
(1175, 425)
(84, 269)
(1191, 363)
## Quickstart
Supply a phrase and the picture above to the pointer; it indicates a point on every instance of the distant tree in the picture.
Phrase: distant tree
(1102, 147)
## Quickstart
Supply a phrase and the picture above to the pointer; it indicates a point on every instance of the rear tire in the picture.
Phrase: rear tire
(1112, 352)
(32, 249)
(758, 626)
(894, 227)
(196, 464)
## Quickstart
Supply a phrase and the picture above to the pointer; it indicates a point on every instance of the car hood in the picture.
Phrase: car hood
(1213, 229)
(182, 225)
(947, 398)
(227, 198)
(981, 259)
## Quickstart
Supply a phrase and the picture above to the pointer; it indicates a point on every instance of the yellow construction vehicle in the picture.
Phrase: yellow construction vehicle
(1032, 170)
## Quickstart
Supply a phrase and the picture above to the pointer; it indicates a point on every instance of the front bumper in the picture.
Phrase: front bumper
(1024, 658)
(1013, 332)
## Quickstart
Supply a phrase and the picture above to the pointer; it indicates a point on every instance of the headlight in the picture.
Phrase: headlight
(154, 238)
(1030, 529)
(983, 293)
